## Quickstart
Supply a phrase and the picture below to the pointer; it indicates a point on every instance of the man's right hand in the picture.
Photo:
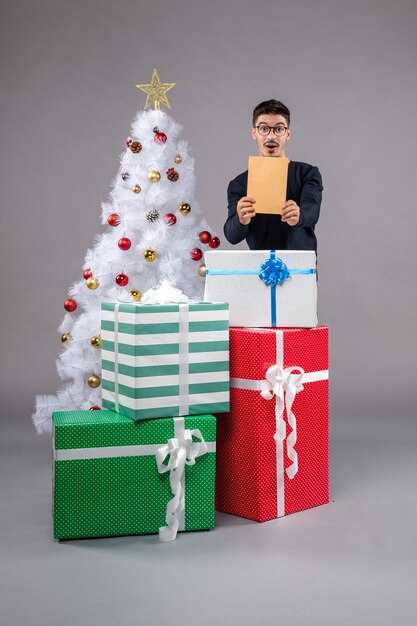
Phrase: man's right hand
(245, 210)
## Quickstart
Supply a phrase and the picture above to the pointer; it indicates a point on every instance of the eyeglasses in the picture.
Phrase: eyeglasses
(264, 129)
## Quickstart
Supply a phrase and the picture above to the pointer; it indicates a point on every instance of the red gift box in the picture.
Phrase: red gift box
(272, 448)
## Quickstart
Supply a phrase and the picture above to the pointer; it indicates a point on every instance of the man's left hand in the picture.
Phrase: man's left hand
(290, 213)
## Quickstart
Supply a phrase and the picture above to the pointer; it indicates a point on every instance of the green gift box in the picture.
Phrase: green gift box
(114, 476)
(161, 360)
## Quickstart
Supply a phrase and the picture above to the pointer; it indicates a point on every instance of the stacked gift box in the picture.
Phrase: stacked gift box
(272, 447)
(147, 462)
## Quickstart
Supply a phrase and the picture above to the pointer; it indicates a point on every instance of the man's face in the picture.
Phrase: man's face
(271, 144)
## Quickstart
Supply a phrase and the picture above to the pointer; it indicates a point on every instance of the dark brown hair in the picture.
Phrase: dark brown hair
(274, 107)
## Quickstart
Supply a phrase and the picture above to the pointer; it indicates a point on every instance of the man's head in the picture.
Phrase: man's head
(271, 128)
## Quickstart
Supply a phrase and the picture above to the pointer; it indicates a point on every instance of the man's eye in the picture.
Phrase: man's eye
(280, 129)
(263, 129)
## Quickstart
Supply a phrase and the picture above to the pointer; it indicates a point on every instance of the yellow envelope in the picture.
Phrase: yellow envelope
(267, 183)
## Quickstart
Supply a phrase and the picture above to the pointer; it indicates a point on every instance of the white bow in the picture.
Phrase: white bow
(181, 452)
(284, 385)
(165, 293)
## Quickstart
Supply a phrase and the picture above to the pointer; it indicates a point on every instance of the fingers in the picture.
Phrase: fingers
(245, 209)
(246, 201)
(245, 216)
(245, 204)
(289, 203)
(290, 213)
(291, 221)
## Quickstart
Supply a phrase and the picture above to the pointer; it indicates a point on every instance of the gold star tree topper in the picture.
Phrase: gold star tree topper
(156, 92)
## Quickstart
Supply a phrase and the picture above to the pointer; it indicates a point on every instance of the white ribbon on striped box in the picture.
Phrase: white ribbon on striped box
(283, 384)
(182, 357)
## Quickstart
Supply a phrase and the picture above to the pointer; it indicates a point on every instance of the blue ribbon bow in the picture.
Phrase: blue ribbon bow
(274, 272)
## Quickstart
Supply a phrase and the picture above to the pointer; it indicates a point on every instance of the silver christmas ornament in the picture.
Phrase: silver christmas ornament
(152, 215)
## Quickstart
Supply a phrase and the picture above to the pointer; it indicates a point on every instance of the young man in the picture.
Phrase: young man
(294, 229)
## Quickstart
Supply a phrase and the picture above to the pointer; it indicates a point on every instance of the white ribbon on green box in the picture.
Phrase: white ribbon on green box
(283, 384)
(165, 360)
(182, 450)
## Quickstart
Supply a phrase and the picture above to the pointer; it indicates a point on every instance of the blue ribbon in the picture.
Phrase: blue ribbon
(273, 272)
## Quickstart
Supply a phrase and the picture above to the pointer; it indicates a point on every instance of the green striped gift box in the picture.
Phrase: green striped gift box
(106, 479)
(165, 359)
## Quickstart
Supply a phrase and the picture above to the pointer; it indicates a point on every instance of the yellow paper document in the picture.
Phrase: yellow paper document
(267, 183)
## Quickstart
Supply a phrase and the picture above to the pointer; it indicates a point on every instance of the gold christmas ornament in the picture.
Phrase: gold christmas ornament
(156, 92)
(178, 159)
(66, 337)
(154, 176)
(136, 294)
(93, 381)
(184, 208)
(149, 255)
(202, 270)
(96, 341)
(92, 282)
(137, 189)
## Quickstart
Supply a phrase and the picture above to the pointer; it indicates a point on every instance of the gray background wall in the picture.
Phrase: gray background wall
(347, 70)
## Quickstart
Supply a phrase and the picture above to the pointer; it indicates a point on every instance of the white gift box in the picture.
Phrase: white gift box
(275, 288)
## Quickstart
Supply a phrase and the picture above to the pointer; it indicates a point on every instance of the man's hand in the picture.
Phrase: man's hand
(245, 210)
(290, 213)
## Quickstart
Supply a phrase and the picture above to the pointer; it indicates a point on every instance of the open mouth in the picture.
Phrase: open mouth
(270, 145)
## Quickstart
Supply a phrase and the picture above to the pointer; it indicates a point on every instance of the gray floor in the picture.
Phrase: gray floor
(350, 562)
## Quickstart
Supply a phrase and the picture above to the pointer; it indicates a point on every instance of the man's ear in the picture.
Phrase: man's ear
(289, 134)
(254, 134)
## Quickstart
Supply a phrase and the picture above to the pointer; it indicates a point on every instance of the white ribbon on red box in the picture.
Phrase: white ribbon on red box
(284, 384)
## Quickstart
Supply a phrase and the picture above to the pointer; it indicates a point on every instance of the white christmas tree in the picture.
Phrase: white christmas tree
(155, 232)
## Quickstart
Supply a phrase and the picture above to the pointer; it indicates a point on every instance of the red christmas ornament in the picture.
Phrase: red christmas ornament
(87, 274)
(124, 243)
(95, 407)
(160, 137)
(70, 305)
(214, 242)
(196, 254)
(113, 219)
(204, 236)
(172, 174)
(122, 280)
(128, 142)
(170, 219)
